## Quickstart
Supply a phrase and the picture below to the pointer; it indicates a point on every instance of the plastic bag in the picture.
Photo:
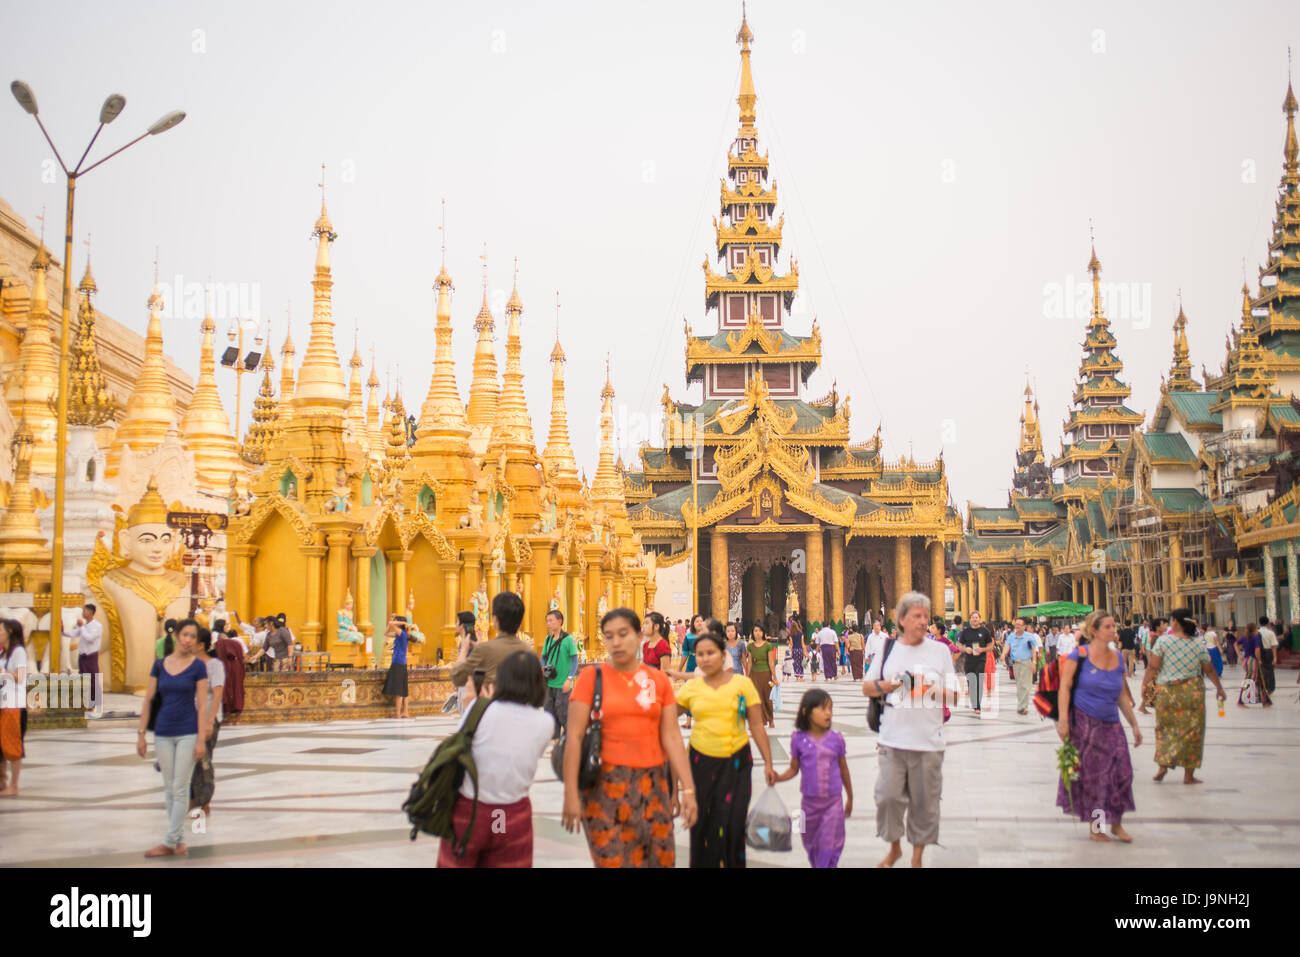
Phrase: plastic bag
(769, 827)
(1249, 694)
(775, 699)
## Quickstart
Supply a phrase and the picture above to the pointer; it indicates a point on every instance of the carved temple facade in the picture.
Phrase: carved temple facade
(758, 485)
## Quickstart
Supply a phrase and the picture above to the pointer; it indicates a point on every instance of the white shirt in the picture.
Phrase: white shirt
(1211, 638)
(914, 722)
(11, 696)
(875, 644)
(827, 636)
(1065, 644)
(508, 743)
(89, 637)
(216, 679)
(1267, 637)
(259, 638)
(1051, 639)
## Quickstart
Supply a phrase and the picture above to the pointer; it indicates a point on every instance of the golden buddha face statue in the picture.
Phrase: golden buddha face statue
(147, 542)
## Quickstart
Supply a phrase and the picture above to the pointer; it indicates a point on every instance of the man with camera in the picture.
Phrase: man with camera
(559, 667)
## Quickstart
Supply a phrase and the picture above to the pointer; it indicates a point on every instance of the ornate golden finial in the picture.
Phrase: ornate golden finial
(89, 401)
(1292, 149)
(515, 305)
(747, 98)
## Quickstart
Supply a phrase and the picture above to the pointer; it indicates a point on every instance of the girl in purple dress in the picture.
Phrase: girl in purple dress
(818, 754)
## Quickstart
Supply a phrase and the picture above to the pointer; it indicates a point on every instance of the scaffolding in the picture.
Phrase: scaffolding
(1137, 558)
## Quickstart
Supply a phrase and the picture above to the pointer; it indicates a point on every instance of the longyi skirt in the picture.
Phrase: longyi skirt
(1180, 723)
(395, 683)
(1105, 778)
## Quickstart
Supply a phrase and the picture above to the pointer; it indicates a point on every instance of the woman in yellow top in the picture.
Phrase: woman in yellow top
(723, 703)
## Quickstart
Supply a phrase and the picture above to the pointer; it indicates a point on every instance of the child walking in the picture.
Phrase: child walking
(819, 755)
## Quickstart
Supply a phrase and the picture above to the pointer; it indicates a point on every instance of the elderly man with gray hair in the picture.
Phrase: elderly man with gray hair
(916, 679)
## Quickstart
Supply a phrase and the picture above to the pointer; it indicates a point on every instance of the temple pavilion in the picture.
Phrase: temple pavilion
(757, 485)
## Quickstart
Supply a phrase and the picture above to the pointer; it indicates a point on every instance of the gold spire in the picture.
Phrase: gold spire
(31, 391)
(374, 421)
(266, 414)
(23, 546)
(151, 408)
(606, 486)
(1094, 267)
(320, 387)
(747, 98)
(89, 401)
(286, 373)
(356, 398)
(513, 426)
(484, 389)
(443, 426)
(1180, 373)
(397, 453)
(205, 429)
(558, 454)
(1031, 436)
(1291, 149)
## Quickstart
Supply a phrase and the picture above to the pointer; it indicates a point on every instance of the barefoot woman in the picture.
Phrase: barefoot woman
(1089, 719)
(1178, 660)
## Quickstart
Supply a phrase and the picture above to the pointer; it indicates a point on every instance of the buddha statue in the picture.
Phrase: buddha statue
(342, 492)
(347, 629)
(412, 629)
(141, 585)
(479, 605)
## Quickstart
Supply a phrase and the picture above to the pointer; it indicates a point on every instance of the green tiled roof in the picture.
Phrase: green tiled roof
(994, 514)
(1180, 499)
(670, 503)
(1168, 445)
(1038, 507)
(1194, 407)
(808, 418)
(719, 340)
(1286, 343)
(1285, 413)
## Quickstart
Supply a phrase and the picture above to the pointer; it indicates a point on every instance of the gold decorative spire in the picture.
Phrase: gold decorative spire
(484, 389)
(205, 429)
(374, 422)
(443, 426)
(266, 414)
(1291, 149)
(1031, 436)
(396, 453)
(1180, 373)
(1246, 379)
(1094, 267)
(151, 409)
(31, 391)
(150, 510)
(89, 401)
(558, 455)
(513, 426)
(356, 397)
(23, 546)
(320, 389)
(747, 98)
(605, 486)
(287, 353)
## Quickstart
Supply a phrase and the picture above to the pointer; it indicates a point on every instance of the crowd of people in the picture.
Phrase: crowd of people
(617, 723)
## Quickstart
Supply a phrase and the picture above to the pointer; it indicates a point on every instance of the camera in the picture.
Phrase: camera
(548, 672)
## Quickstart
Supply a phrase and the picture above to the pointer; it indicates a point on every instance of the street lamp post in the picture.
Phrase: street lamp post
(107, 114)
(234, 358)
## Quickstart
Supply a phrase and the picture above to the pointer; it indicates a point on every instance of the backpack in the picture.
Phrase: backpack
(876, 706)
(1046, 701)
(432, 800)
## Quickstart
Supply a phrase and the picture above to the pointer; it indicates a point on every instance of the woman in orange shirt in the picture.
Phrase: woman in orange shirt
(628, 813)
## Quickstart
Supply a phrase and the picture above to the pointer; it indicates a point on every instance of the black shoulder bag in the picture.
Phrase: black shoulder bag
(589, 762)
(876, 706)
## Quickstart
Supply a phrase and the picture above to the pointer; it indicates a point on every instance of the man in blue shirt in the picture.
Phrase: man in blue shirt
(1023, 647)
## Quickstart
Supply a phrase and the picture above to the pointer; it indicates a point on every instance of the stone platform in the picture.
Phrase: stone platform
(272, 697)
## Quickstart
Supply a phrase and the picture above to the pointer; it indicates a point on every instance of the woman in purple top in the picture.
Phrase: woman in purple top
(180, 729)
(818, 754)
(1089, 720)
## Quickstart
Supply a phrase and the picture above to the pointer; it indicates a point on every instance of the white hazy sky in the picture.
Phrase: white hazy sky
(937, 163)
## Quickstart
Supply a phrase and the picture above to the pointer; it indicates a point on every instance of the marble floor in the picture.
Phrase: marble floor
(329, 794)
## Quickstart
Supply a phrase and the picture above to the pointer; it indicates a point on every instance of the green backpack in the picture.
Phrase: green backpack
(432, 800)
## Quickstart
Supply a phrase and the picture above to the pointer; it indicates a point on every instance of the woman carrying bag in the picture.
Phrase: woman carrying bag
(627, 808)
(724, 704)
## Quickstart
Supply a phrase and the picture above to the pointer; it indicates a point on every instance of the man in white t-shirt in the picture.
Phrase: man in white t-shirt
(916, 679)
(1066, 642)
(875, 642)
